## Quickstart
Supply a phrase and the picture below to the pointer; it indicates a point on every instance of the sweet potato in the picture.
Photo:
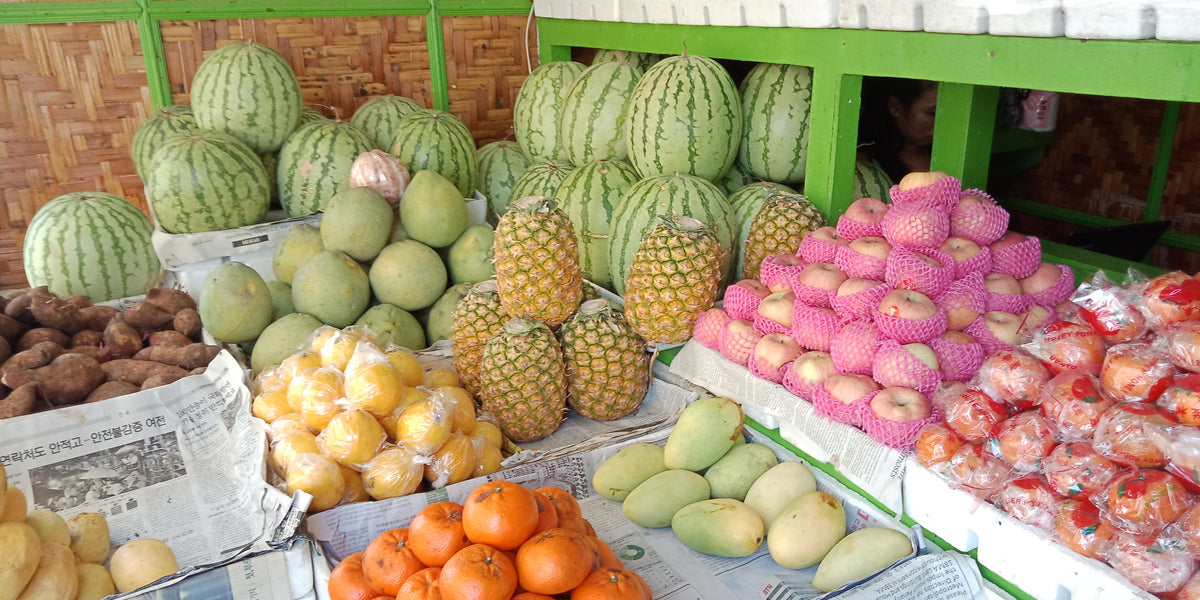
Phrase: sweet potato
(37, 356)
(19, 402)
(188, 357)
(5, 350)
(198, 371)
(111, 389)
(78, 301)
(38, 335)
(100, 354)
(135, 371)
(10, 329)
(147, 317)
(121, 339)
(56, 313)
(161, 379)
(187, 322)
(170, 300)
(18, 305)
(96, 318)
(169, 338)
(68, 379)
(87, 337)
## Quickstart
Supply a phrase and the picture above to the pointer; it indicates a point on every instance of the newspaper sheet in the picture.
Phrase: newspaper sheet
(182, 463)
(673, 571)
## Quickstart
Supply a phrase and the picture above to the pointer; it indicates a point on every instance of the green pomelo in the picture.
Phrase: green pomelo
(358, 221)
(331, 287)
(433, 211)
(408, 274)
(281, 298)
(470, 257)
(235, 303)
(441, 314)
(393, 326)
(297, 246)
(282, 339)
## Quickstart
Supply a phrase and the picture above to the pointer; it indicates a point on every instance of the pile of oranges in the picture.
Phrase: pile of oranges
(504, 542)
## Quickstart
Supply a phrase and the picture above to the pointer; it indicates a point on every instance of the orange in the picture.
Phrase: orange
(611, 584)
(347, 582)
(588, 529)
(407, 366)
(1066, 346)
(972, 414)
(1072, 401)
(435, 378)
(1144, 501)
(422, 585)
(1014, 376)
(570, 516)
(547, 515)
(1078, 525)
(607, 557)
(936, 444)
(478, 572)
(531, 596)
(1136, 372)
(388, 562)
(1023, 440)
(555, 561)
(436, 533)
(501, 514)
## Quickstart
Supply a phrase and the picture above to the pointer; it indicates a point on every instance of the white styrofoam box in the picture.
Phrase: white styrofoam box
(1109, 19)
(1030, 18)
(646, 11)
(190, 277)
(894, 15)
(955, 16)
(1178, 20)
(952, 514)
(813, 14)
(587, 10)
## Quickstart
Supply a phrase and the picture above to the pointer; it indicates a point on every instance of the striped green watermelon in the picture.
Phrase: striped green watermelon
(309, 114)
(639, 60)
(637, 212)
(541, 179)
(746, 203)
(734, 179)
(593, 115)
(269, 162)
(164, 121)
(499, 164)
(380, 115)
(870, 181)
(247, 90)
(538, 109)
(314, 164)
(587, 195)
(775, 103)
(206, 180)
(90, 244)
(438, 141)
(684, 117)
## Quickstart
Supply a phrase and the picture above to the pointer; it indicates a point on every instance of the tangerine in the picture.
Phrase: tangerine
(555, 561)
(1023, 440)
(1135, 373)
(1121, 434)
(972, 414)
(1066, 346)
(547, 515)
(1014, 376)
(570, 516)
(347, 581)
(531, 596)
(436, 533)
(478, 572)
(1030, 500)
(1172, 298)
(936, 444)
(501, 514)
(1072, 402)
(407, 366)
(1075, 470)
(978, 472)
(1078, 525)
(611, 584)
(422, 585)
(1144, 501)
(607, 557)
(388, 562)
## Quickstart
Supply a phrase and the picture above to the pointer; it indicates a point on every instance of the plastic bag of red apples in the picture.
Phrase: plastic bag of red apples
(1089, 430)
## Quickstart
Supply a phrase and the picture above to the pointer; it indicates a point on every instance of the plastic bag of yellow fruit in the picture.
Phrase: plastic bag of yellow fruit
(337, 349)
(455, 461)
(287, 447)
(425, 425)
(396, 471)
(372, 383)
(407, 365)
(270, 404)
(352, 438)
(319, 391)
(356, 491)
(461, 405)
(285, 424)
(391, 422)
(435, 378)
(319, 476)
(490, 457)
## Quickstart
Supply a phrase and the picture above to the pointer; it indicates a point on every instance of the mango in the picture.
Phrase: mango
(89, 537)
(470, 257)
(705, 431)
(358, 222)
(393, 326)
(56, 575)
(433, 209)
(627, 469)
(282, 339)
(281, 299)
(297, 246)
(732, 476)
(235, 303)
(140, 562)
(331, 287)
(740, 439)
(859, 555)
(655, 501)
(778, 487)
(441, 315)
(94, 582)
(49, 526)
(22, 548)
(806, 530)
(408, 274)
(720, 526)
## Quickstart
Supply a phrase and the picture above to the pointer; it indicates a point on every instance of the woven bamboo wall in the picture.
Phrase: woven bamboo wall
(485, 66)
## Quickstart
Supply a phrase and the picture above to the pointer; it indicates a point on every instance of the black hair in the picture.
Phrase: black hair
(878, 136)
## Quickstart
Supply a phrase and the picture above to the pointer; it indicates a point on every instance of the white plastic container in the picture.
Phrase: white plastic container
(588, 10)
(955, 16)
(953, 515)
(894, 15)
(1109, 19)
(1030, 18)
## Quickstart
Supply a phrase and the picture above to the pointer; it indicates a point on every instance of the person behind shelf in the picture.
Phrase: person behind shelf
(895, 126)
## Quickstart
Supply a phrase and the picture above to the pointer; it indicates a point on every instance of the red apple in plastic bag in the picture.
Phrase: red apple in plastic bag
(381, 172)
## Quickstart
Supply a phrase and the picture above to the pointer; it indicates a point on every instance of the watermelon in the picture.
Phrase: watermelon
(315, 162)
(870, 181)
(746, 203)
(734, 179)
(90, 244)
(684, 117)
(593, 116)
(639, 60)
(164, 121)
(269, 161)
(499, 165)
(538, 109)
(587, 195)
(541, 179)
(438, 141)
(309, 114)
(380, 115)
(247, 90)
(637, 212)
(775, 102)
(206, 180)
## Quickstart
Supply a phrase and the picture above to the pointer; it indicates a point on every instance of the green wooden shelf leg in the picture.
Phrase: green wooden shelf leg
(832, 141)
(548, 53)
(152, 52)
(1162, 162)
(962, 134)
(435, 39)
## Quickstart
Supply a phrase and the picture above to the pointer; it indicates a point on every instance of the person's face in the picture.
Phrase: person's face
(916, 122)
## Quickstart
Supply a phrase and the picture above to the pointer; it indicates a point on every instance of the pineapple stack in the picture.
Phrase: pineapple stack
(778, 228)
(674, 277)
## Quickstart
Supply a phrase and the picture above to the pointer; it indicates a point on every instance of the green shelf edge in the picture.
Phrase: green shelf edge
(43, 13)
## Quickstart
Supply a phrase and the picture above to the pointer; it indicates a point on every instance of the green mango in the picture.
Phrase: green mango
(654, 502)
(705, 431)
(732, 476)
(627, 469)
(720, 526)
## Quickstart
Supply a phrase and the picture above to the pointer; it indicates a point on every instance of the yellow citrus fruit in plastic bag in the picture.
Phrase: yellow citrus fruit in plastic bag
(424, 426)
(318, 475)
(295, 388)
(408, 397)
(352, 437)
(462, 406)
(289, 423)
(320, 336)
(490, 433)
(355, 490)
(375, 388)
(453, 462)
(318, 397)
(394, 472)
(435, 378)
(269, 405)
(294, 364)
(408, 367)
(270, 379)
(287, 447)
(489, 460)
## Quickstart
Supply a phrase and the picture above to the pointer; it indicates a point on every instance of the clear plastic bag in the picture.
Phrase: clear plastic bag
(1030, 501)
(1122, 434)
(936, 444)
(1079, 527)
(1181, 343)
(1142, 502)
(1156, 568)
(973, 414)
(1074, 470)
(1065, 346)
(977, 472)
(1107, 308)
(455, 461)
(1073, 403)
(425, 425)
(1023, 440)
(372, 383)
(395, 471)
(353, 437)
(1013, 376)
(1135, 373)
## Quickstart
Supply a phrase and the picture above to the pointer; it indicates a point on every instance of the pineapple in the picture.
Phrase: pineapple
(524, 381)
(778, 228)
(673, 278)
(477, 319)
(537, 262)
(608, 369)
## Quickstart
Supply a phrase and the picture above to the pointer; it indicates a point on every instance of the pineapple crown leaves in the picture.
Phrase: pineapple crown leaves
(683, 223)
(531, 205)
(519, 326)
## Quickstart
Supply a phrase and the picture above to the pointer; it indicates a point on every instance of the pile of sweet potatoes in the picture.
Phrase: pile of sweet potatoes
(60, 351)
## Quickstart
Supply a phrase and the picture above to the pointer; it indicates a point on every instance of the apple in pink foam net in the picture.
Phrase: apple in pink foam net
(1010, 238)
(922, 353)
(855, 285)
(812, 368)
(907, 304)
(957, 337)
(902, 405)
(1032, 320)
(778, 307)
(848, 388)
(1046, 275)
(999, 283)
(828, 234)
(822, 276)
(1005, 326)
(873, 246)
(775, 350)
(960, 248)
(866, 210)
(755, 287)
(920, 179)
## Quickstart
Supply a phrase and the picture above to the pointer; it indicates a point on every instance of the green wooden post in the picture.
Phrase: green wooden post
(1162, 162)
(152, 52)
(439, 84)
(962, 138)
(832, 140)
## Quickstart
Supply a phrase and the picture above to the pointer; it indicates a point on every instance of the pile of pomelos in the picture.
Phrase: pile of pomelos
(504, 541)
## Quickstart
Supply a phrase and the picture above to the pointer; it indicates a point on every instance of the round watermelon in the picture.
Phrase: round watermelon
(639, 60)
(593, 115)
(746, 203)
(90, 244)
(309, 114)
(541, 179)
(684, 117)
(438, 141)
(499, 165)
(537, 110)
(587, 195)
(247, 90)
(314, 164)
(734, 179)
(380, 115)
(870, 181)
(165, 121)
(206, 180)
(775, 103)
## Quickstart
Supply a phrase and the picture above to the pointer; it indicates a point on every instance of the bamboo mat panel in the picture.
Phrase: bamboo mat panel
(485, 67)
(340, 62)
(71, 97)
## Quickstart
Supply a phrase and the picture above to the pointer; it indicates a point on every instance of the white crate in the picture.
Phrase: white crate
(955, 16)
(1178, 20)
(587, 10)
(953, 515)
(1109, 19)
(1030, 18)
(894, 15)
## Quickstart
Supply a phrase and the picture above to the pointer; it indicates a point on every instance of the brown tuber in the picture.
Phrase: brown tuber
(146, 317)
(56, 313)
(18, 304)
(135, 371)
(111, 389)
(36, 336)
(170, 300)
(187, 322)
(37, 356)
(96, 318)
(122, 340)
(169, 338)
(161, 379)
(10, 329)
(68, 379)
(188, 357)
(87, 337)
